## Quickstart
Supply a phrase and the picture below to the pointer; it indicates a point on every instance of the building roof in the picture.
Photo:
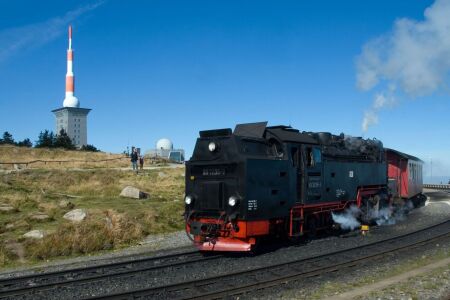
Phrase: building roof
(73, 109)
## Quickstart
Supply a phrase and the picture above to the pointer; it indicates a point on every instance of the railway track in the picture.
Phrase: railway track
(241, 282)
(34, 283)
(437, 186)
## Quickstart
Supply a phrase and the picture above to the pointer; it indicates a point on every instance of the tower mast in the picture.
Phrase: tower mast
(70, 100)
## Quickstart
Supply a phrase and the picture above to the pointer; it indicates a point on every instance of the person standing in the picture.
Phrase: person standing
(141, 162)
(134, 159)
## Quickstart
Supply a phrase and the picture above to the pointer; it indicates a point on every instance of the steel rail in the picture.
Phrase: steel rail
(230, 283)
(16, 286)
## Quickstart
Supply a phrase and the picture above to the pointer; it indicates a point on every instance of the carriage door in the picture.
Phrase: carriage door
(297, 164)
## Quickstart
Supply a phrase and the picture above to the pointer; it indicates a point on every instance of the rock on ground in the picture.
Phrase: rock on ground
(162, 175)
(66, 204)
(39, 217)
(132, 192)
(75, 215)
(7, 208)
(34, 234)
(17, 249)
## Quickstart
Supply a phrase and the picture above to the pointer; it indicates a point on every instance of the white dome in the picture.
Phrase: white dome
(71, 102)
(164, 144)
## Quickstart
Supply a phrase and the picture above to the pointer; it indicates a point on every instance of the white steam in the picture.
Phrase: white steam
(347, 219)
(388, 216)
(384, 216)
(381, 101)
(414, 56)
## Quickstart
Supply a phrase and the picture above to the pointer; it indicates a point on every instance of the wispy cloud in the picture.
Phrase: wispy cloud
(414, 56)
(14, 40)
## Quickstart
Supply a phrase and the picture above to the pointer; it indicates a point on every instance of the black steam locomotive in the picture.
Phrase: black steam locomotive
(260, 181)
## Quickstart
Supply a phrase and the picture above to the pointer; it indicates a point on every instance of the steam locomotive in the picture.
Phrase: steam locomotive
(261, 181)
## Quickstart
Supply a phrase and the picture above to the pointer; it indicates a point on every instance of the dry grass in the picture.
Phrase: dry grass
(6, 256)
(112, 222)
(81, 159)
(93, 234)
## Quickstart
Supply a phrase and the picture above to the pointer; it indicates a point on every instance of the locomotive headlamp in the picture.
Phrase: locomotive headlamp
(232, 201)
(212, 146)
(188, 200)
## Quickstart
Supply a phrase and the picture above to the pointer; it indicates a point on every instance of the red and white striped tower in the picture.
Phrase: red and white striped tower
(70, 100)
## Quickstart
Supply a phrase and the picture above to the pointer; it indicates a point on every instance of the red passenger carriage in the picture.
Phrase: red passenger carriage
(404, 174)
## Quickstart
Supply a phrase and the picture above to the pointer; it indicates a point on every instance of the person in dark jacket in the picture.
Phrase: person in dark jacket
(141, 162)
(134, 159)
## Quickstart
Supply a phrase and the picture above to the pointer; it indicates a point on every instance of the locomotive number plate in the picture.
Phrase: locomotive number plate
(252, 204)
(213, 172)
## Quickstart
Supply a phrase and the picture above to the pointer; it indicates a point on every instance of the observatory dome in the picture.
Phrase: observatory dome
(164, 144)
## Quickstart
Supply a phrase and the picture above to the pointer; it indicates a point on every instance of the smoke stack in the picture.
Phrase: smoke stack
(70, 100)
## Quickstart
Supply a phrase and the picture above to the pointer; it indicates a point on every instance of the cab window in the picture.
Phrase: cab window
(317, 155)
(314, 156)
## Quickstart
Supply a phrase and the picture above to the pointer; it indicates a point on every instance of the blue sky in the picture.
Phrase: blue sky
(153, 69)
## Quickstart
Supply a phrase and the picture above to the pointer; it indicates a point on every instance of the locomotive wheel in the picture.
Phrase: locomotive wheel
(207, 253)
(371, 207)
(311, 226)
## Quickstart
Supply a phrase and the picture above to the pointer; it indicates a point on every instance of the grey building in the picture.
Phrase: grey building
(176, 155)
(164, 148)
(74, 122)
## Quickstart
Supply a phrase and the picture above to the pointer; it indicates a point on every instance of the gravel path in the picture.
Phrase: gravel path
(405, 284)
(432, 285)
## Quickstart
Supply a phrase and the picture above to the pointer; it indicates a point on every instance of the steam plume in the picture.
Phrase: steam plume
(347, 219)
(414, 56)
